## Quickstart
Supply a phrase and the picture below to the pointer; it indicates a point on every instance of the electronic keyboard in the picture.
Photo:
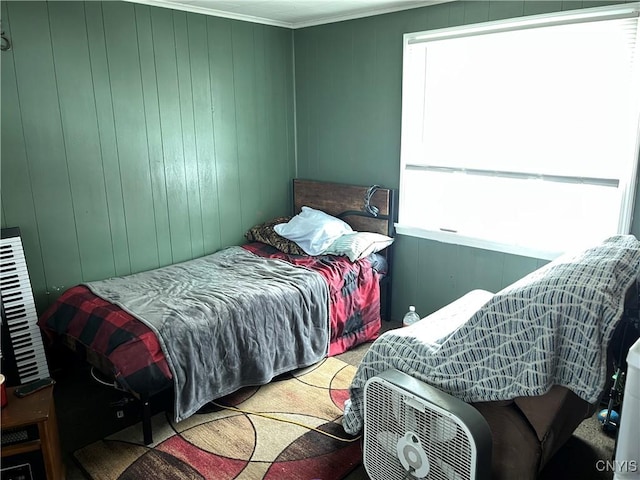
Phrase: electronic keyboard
(22, 352)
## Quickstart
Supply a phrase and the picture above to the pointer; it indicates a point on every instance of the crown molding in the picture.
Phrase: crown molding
(186, 7)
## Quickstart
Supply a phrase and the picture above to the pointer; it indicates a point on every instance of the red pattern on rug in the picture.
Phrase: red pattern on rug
(276, 435)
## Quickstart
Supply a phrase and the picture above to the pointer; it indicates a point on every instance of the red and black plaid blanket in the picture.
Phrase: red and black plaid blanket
(134, 351)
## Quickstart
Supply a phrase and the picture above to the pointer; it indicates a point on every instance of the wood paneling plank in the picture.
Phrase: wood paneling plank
(408, 290)
(438, 273)
(476, 12)
(388, 68)
(109, 155)
(224, 123)
(571, 4)
(280, 132)
(81, 139)
(457, 12)
(172, 133)
(365, 98)
(533, 7)
(478, 268)
(264, 173)
(245, 86)
(438, 16)
(499, 10)
(186, 113)
(128, 107)
(288, 86)
(303, 64)
(146, 48)
(204, 134)
(332, 102)
(307, 92)
(516, 267)
(269, 126)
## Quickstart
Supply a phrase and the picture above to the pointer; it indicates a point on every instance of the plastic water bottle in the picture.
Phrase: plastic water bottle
(410, 317)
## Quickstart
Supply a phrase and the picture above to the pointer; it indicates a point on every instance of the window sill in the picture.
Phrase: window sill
(457, 239)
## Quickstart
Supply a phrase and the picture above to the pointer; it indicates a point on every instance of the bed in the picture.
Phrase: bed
(240, 316)
(534, 358)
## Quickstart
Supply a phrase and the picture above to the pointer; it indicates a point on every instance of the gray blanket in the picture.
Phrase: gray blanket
(552, 327)
(227, 320)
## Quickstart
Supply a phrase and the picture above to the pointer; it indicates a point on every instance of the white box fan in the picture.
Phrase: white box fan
(413, 430)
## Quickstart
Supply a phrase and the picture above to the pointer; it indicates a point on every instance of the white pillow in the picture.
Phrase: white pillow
(357, 245)
(313, 230)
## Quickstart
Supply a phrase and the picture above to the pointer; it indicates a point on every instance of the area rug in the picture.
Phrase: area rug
(288, 429)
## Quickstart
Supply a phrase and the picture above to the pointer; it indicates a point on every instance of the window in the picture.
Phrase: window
(522, 136)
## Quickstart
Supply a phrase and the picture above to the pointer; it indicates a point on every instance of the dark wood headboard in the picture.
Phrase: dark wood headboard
(348, 203)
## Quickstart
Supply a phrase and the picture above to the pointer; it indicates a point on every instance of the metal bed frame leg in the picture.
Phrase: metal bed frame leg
(146, 421)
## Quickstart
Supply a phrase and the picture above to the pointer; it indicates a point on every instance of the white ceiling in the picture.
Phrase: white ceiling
(290, 13)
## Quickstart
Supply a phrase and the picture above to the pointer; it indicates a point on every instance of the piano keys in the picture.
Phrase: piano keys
(22, 352)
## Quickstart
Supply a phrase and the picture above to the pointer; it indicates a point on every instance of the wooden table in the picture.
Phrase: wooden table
(35, 409)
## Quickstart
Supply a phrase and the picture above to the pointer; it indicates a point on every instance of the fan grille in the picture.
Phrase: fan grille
(390, 413)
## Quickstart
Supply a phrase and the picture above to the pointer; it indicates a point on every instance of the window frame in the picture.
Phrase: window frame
(628, 189)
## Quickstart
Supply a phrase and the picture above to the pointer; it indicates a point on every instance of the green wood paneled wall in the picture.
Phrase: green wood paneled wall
(348, 110)
(135, 137)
